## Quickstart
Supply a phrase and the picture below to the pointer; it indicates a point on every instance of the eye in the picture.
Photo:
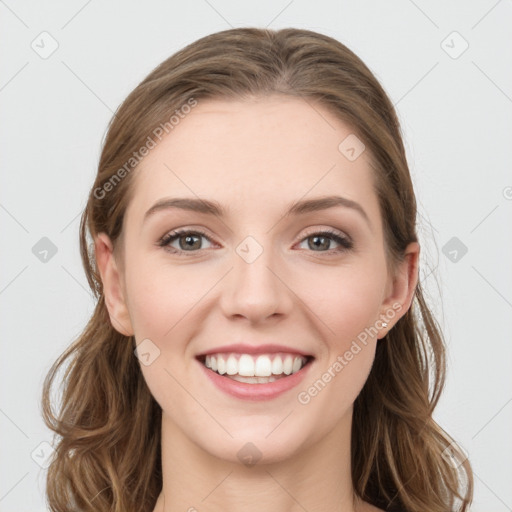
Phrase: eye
(324, 238)
(187, 241)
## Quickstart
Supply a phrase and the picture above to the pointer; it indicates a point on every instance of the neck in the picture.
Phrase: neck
(317, 478)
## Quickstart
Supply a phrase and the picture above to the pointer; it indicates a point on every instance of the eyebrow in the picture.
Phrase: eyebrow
(210, 207)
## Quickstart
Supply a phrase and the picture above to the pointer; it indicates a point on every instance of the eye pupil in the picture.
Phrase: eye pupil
(190, 237)
(316, 238)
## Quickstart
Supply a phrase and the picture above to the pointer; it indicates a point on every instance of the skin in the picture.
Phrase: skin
(255, 158)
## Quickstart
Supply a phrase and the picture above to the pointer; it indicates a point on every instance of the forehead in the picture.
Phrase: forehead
(267, 152)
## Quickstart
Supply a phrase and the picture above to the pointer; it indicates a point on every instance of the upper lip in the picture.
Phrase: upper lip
(242, 348)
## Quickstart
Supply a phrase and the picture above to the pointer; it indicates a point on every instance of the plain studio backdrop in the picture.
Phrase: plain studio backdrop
(66, 67)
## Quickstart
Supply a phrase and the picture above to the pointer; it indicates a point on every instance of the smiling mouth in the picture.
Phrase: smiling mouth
(255, 369)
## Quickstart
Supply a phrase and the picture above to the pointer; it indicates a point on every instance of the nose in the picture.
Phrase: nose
(255, 288)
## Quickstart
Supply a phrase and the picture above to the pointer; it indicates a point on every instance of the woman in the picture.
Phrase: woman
(261, 340)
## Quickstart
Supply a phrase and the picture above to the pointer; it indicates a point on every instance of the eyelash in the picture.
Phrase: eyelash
(345, 243)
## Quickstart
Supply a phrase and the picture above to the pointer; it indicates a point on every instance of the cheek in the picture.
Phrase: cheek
(350, 311)
(346, 304)
(163, 304)
(161, 297)
(165, 309)
(346, 301)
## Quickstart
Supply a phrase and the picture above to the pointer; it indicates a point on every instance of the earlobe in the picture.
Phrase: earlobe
(112, 285)
(403, 287)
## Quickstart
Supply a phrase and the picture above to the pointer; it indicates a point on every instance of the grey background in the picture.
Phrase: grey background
(455, 110)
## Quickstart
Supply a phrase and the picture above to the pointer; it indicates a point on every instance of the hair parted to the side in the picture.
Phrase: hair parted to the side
(107, 422)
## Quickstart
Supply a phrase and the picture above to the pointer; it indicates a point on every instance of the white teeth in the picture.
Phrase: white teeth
(277, 366)
(254, 380)
(297, 365)
(221, 365)
(231, 365)
(245, 366)
(288, 365)
(261, 368)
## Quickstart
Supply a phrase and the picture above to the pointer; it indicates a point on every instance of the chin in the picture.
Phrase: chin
(255, 442)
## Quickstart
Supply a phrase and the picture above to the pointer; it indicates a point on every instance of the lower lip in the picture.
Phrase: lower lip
(247, 391)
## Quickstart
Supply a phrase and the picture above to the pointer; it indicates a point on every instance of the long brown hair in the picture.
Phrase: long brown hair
(108, 452)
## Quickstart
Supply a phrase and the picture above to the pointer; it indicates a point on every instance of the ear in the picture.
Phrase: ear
(401, 288)
(112, 285)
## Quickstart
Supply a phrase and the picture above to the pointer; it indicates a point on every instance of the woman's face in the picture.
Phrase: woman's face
(266, 282)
